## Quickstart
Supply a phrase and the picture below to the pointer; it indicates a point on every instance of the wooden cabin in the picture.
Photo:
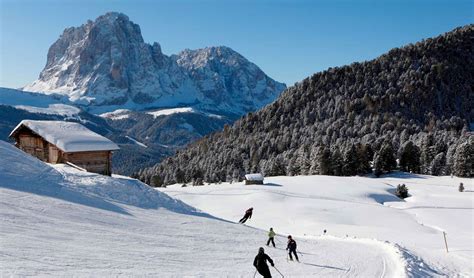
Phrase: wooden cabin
(254, 179)
(65, 142)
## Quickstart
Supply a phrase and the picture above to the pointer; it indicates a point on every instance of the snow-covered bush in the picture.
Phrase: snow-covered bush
(402, 191)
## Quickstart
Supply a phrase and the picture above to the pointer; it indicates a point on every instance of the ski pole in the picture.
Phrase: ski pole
(255, 273)
(278, 271)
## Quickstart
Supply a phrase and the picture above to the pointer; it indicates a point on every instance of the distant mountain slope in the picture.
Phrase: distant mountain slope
(105, 65)
(145, 137)
(334, 121)
(16, 106)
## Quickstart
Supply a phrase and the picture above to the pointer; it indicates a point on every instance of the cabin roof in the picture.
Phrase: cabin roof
(67, 136)
(254, 177)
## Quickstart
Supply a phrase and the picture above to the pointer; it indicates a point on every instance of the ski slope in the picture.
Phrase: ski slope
(58, 221)
(363, 208)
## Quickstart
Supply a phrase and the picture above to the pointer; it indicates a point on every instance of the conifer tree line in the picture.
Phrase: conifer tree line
(410, 109)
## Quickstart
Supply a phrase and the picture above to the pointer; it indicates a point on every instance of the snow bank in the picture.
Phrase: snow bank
(68, 136)
(24, 172)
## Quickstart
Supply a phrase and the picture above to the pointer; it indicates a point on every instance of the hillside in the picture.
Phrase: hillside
(413, 103)
(58, 221)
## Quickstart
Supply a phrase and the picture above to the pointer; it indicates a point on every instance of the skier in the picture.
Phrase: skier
(260, 263)
(292, 248)
(271, 235)
(248, 214)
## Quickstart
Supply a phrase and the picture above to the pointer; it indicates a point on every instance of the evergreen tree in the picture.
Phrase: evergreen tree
(464, 159)
(409, 157)
(324, 161)
(377, 165)
(384, 160)
(428, 152)
(438, 164)
(365, 155)
(156, 181)
(179, 176)
(350, 161)
(336, 162)
(277, 168)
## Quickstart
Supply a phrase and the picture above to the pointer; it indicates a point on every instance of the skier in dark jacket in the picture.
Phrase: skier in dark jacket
(248, 215)
(260, 262)
(292, 248)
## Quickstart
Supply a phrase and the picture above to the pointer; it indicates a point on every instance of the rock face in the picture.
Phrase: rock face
(230, 81)
(105, 64)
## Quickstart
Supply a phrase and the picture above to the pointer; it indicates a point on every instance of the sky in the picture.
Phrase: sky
(288, 39)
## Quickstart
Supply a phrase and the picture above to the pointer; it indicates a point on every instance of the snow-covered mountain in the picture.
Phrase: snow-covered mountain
(227, 79)
(105, 65)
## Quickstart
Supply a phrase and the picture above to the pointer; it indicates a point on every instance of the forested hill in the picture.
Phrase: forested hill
(413, 103)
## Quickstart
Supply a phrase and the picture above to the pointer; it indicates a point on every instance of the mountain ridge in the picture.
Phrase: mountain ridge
(105, 65)
(340, 120)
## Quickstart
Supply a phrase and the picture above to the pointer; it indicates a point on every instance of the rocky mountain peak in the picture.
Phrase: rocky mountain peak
(105, 64)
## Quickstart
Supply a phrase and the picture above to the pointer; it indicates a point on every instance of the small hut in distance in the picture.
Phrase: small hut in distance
(253, 179)
(65, 142)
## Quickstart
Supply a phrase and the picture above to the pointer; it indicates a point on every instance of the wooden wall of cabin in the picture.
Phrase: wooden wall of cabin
(54, 154)
(33, 144)
(96, 162)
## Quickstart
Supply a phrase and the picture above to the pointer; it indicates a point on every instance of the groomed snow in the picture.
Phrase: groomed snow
(58, 221)
(360, 207)
(69, 136)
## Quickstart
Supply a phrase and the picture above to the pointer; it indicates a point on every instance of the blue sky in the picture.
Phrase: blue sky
(289, 40)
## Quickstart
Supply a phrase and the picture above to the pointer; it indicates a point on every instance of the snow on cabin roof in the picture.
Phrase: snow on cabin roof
(68, 136)
(254, 177)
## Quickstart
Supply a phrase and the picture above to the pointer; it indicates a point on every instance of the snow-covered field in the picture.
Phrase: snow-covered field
(56, 220)
(356, 207)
